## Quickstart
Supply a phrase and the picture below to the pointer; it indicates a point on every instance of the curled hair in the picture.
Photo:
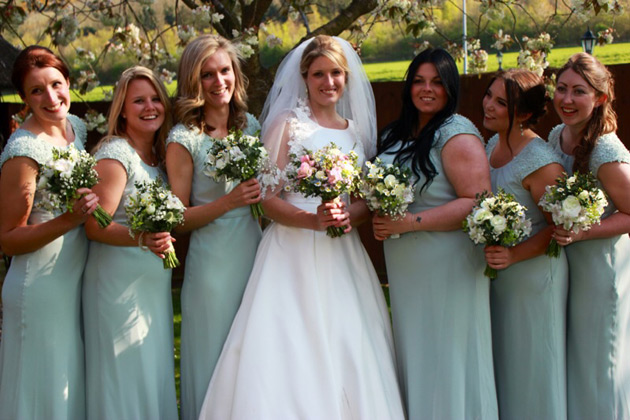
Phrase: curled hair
(416, 142)
(189, 102)
(603, 118)
(35, 57)
(117, 125)
(323, 46)
(525, 94)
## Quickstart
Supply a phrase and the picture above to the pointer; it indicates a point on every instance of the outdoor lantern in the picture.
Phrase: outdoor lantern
(588, 41)
(500, 60)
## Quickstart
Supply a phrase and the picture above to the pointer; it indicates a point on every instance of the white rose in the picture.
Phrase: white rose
(390, 181)
(150, 209)
(221, 162)
(481, 215)
(62, 165)
(320, 175)
(571, 206)
(498, 223)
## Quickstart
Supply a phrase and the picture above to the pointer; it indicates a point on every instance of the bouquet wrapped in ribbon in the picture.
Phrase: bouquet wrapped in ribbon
(154, 208)
(497, 220)
(387, 189)
(59, 178)
(575, 203)
(240, 157)
(326, 173)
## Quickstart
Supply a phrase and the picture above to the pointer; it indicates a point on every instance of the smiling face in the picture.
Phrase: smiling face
(218, 80)
(142, 109)
(495, 111)
(325, 81)
(47, 93)
(427, 92)
(574, 99)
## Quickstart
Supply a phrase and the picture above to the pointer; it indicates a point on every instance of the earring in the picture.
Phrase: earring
(520, 126)
(306, 91)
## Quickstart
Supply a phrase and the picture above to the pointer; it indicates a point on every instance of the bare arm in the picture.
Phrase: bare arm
(501, 257)
(180, 167)
(467, 179)
(17, 189)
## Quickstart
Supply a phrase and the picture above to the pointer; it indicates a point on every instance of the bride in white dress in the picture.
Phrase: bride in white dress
(312, 338)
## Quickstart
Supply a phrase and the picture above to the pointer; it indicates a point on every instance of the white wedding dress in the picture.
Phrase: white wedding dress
(312, 338)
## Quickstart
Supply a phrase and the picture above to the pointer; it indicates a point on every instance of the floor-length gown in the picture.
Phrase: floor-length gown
(440, 308)
(41, 353)
(128, 317)
(312, 337)
(528, 301)
(598, 346)
(218, 264)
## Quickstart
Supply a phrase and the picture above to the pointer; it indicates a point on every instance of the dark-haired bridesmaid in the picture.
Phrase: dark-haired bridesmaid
(439, 294)
(598, 346)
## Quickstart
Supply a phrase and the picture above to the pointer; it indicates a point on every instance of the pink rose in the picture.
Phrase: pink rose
(334, 175)
(304, 171)
(305, 158)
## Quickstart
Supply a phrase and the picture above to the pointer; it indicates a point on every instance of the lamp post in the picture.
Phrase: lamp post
(500, 60)
(588, 41)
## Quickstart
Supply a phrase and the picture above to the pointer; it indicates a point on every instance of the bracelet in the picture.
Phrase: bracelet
(140, 244)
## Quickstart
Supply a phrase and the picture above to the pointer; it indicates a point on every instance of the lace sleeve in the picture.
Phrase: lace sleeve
(454, 126)
(80, 131)
(554, 137)
(537, 154)
(492, 143)
(118, 149)
(608, 149)
(25, 144)
(187, 137)
(253, 126)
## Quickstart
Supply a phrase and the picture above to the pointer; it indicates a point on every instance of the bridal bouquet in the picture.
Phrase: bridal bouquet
(59, 178)
(387, 189)
(497, 220)
(239, 157)
(575, 202)
(154, 208)
(326, 173)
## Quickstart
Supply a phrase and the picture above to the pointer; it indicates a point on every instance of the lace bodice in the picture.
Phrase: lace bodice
(439, 191)
(204, 189)
(137, 171)
(23, 143)
(608, 148)
(536, 154)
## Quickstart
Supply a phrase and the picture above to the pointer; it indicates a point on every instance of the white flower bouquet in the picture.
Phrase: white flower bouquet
(239, 157)
(59, 178)
(154, 208)
(387, 189)
(497, 220)
(326, 173)
(575, 203)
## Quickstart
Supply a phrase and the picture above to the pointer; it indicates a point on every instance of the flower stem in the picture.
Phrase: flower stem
(102, 217)
(553, 250)
(490, 272)
(170, 259)
(257, 210)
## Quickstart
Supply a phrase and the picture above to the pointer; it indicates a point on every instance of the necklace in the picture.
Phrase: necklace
(150, 160)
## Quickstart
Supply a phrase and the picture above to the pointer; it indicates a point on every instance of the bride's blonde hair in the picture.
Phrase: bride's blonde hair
(323, 46)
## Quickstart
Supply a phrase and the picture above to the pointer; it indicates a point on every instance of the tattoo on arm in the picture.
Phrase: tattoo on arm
(418, 219)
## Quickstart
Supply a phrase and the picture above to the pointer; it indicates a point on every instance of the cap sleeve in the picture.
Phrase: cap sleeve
(454, 126)
(23, 143)
(118, 149)
(608, 149)
(190, 138)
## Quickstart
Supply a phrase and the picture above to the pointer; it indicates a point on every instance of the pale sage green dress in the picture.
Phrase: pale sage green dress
(598, 346)
(528, 301)
(41, 352)
(440, 307)
(128, 316)
(219, 260)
